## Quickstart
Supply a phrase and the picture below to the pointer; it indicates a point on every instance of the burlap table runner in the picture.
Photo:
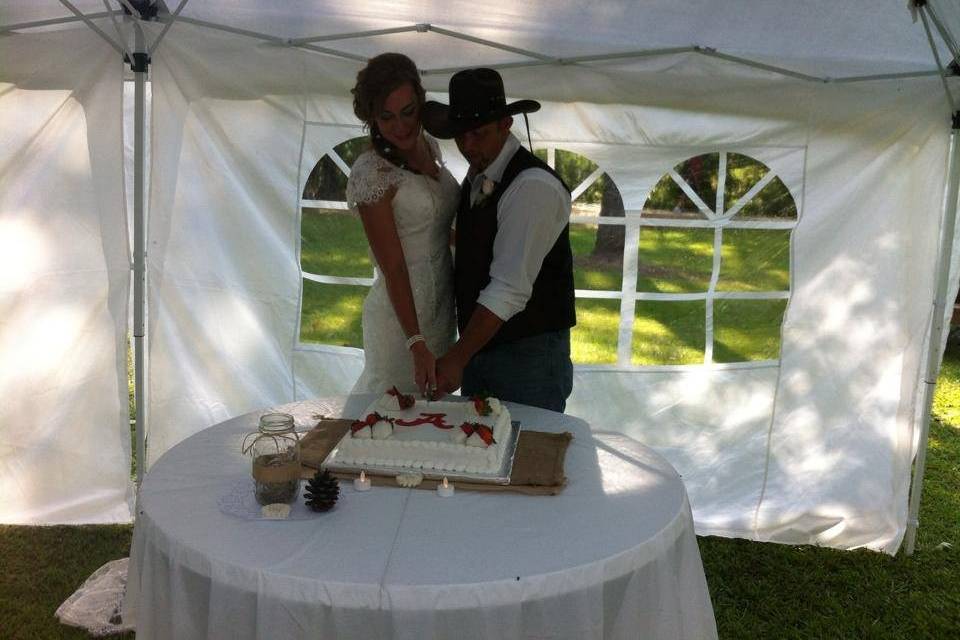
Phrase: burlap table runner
(537, 463)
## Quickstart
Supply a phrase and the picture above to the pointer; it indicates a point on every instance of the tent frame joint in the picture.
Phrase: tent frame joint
(140, 63)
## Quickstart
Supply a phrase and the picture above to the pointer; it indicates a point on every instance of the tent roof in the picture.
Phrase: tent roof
(822, 38)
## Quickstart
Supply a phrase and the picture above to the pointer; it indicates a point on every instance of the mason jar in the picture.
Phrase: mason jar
(275, 454)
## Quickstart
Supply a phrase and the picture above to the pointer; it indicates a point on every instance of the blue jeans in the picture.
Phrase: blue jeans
(536, 371)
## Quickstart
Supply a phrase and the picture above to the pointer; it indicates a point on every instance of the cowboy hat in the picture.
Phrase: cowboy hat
(476, 98)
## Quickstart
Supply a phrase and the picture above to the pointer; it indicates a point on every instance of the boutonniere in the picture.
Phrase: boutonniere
(486, 188)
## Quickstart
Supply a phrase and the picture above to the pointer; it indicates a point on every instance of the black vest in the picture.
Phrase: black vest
(551, 305)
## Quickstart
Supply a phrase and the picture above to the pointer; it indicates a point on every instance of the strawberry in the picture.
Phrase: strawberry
(405, 401)
(369, 421)
(481, 405)
(485, 433)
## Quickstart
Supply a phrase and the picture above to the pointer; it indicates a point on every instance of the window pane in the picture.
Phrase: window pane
(747, 329)
(332, 243)
(331, 314)
(742, 173)
(755, 260)
(597, 256)
(594, 339)
(773, 202)
(350, 149)
(700, 172)
(573, 169)
(674, 260)
(667, 200)
(326, 182)
(668, 332)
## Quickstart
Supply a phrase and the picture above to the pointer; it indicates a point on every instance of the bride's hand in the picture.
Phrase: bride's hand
(424, 368)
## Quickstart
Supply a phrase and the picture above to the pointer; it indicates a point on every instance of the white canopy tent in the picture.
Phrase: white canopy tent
(848, 104)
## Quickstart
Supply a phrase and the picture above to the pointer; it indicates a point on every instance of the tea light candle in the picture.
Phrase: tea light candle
(362, 483)
(445, 488)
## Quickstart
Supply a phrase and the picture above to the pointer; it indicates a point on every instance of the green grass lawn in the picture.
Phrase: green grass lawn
(759, 590)
(671, 260)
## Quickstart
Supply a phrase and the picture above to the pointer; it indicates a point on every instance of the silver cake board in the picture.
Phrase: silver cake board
(500, 476)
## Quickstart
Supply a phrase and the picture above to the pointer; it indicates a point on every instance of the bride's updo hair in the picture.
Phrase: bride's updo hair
(382, 75)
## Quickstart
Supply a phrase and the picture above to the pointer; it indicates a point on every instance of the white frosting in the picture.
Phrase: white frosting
(382, 429)
(388, 403)
(365, 432)
(475, 441)
(426, 446)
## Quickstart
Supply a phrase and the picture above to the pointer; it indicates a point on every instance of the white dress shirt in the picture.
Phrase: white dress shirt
(531, 213)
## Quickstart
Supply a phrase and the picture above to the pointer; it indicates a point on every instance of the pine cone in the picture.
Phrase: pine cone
(322, 491)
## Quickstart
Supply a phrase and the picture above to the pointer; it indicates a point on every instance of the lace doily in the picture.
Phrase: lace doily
(95, 606)
(239, 502)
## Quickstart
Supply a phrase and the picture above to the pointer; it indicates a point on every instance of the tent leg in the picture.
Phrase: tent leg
(139, 245)
(933, 357)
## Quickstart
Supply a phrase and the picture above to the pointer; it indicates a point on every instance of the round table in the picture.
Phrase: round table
(612, 556)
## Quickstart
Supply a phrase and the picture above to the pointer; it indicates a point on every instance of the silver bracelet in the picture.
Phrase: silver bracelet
(414, 339)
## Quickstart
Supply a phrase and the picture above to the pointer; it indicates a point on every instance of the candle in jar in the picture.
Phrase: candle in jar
(445, 488)
(362, 483)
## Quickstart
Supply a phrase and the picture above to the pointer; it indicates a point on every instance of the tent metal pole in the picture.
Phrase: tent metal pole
(133, 10)
(948, 38)
(932, 365)
(575, 60)
(491, 43)
(269, 38)
(116, 26)
(139, 248)
(65, 20)
(100, 32)
(713, 53)
(885, 76)
(166, 27)
(936, 57)
(358, 34)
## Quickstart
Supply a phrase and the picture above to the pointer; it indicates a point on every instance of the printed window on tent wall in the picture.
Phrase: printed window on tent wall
(597, 240)
(336, 265)
(712, 264)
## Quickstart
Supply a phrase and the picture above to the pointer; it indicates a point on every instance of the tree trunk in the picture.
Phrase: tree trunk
(610, 237)
(326, 182)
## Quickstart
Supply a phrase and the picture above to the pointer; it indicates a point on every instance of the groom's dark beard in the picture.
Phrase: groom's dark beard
(478, 166)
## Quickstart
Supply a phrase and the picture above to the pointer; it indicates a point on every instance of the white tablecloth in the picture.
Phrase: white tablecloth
(613, 556)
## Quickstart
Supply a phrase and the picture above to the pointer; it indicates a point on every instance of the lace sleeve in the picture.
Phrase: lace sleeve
(370, 177)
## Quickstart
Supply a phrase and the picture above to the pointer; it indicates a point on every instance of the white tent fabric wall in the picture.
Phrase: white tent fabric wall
(64, 282)
(864, 164)
(224, 207)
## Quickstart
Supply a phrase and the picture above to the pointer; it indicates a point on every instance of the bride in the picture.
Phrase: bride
(407, 200)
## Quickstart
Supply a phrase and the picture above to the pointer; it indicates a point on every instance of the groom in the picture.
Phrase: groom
(513, 274)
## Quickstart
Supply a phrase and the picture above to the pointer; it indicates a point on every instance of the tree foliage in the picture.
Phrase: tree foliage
(701, 173)
(327, 181)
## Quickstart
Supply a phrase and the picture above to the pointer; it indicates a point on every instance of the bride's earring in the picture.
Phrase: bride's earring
(379, 139)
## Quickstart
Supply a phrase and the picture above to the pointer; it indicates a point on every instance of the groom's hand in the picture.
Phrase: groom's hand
(449, 374)
(483, 325)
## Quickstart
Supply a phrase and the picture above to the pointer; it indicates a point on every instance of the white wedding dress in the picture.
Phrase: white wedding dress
(423, 210)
